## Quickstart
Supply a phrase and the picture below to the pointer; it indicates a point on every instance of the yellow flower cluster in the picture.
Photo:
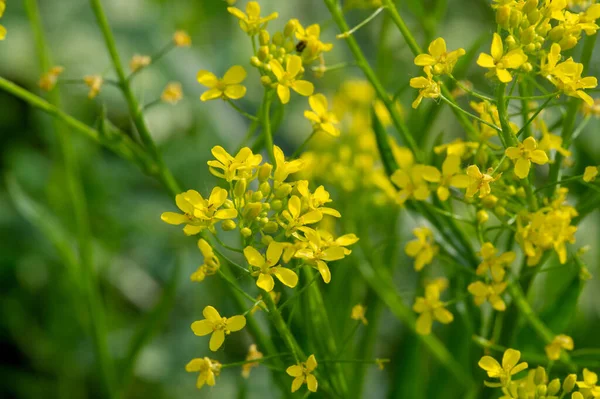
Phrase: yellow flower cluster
(423, 248)
(2, 28)
(431, 308)
(547, 228)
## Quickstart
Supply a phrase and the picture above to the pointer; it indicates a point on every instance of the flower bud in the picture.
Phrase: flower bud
(240, 188)
(568, 43)
(541, 391)
(515, 18)
(263, 53)
(276, 205)
(290, 27)
(264, 172)
(556, 33)
(529, 48)
(255, 62)
(510, 41)
(228, 204)
(270, 228)
(263, 37)
(482, 216)
(521, 192)
(252, 210)
(569, 383)
(266, 239)
(265, 80)
(228, 225)
(527, 36)
(257, 196)
(489, 201)
(283, 190)
(527, 67)
(246, 232)
(530, 6)
(500, 211)
(533, 17)
(503, 15)
(554, 387)
(263, 221)
(511, 190)
(265, 188)
(278, 39)
(266, 206)
(539, 376)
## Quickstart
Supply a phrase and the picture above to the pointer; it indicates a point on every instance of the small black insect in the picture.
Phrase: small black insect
(301, 46)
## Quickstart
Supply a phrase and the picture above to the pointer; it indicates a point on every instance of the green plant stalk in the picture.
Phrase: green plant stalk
(540, 328)
(266, 123)
(383, 95)
(282, 328)
(507, 135)
(89, 280)
(416, 50)
(134, 108)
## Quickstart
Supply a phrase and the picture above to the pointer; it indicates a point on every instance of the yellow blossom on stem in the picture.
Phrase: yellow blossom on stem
(217, 326)
(524, 154)
(94, 82)
(412, 179)
(48, 80)
(342, 241)
(211, 263)
(288, 78)
(253, 354)
(439, 58)
(428, 87)
(317, 199)
(498, 62)
(496, 264)
(431, 308)
(321, 118)
(227, 88)
(293, 218)
(559, 343)
(313, 46)
(282, 168)
(139, 61)
(358, 313)
(589, 386)
(265, 267)
(423, 249)
(242, 166)
(317, 253)
(590, 173)
(510, 366)
(199, 213)
(303, 373)
(483, 292)
(450, 176)
(457, 147)
(182, 39)
(479, 182)
(208, 369)
(172, 93)
(251, 22)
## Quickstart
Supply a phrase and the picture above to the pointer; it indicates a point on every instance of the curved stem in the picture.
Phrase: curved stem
(266, 123)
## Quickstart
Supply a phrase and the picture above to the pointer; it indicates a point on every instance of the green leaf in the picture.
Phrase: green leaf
(383, 144)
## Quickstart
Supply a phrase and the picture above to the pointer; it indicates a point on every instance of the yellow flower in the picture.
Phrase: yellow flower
(430, 307)
(488, 292)
(49, 79)
(211, 263)
(199, 213)
(317, 253)
(558, 343)
(268, 266)
(253, 354)
(498, 62)
(282, 168)
(428, 87)
(251, 22)
(439, 58)
(94, 82)
(172, 93)
(506, 371)
(217, 326)
(358, 313)
(313, 46)
(317, 199)
(242, 166)
(423, 249)
(457, 147)
(479, 182)
(182, 39)
(342, 241)
(590, 173)
(139, 61)
(208, 369)
(450, 176)
(303, 373)
(589, 385)
(293, 217)
(288, 79)
(412, 179)
(494, 263)
(566, 76)
(524, 155)
(321, 118)
(227, 88)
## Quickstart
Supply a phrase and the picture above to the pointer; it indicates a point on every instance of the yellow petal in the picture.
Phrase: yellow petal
(216, 340)
(293, 66)
(253, 10)
(451, 165)
(514, 59)
(311, 363)
(210, 313)
(424, 59)
(297, 383)
(211, 94)
(490, 364)
(497, 49)
(324, 270)
(312, 217)
(485, 61)
(194, 365)
(443, 315)
(190, 230)
(333, 253)
(283, 92)
(235, 92)
(303, 87)
(424, 322)
(522, 167)
(236, 74)
(294, 206)
(254, 257)
(540, 157)
(236, 323)
(431, 174)
(503, 75)
(294, 371)
(459, 181)
(266, 282)
(437, 47)
(311, 382)
(318, 103)
(512, 152)
(202, 327)
(207, 79)
(510, 359)
(226, 214)
(173, 218)
(286, 276)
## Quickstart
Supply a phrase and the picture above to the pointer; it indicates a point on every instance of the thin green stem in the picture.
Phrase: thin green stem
(459, 109)
(508, 137)
(371, 17)
(282, 328)
(532, 118)
(241, 111)
(533, 98)
(302, 146)
(266, 124)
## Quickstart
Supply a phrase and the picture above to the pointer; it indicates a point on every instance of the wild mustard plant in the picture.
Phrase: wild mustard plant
(485, 202)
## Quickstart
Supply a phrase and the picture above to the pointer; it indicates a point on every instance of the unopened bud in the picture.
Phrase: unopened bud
(276, 205)
(541, 391)
(263, 53)
(265, 80)
(270, 228)
(228, 225)
(240, 188)
(257, 196)
(265, 188)
(530, 6)
(503, 15)
(290, 27)
(264, 172)
(252, 210)
(278, 39)
(539, 376)
(569, 383)
(500, 211)
(554, 387)
(482, 216)
(255, 62)
(246, 232)
(266, 239)
(283, 190)
(263, 37)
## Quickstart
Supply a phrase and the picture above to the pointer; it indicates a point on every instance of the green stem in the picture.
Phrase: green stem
(302, 146)
(89, 280)
(266, 123)
(282, 328)
(134, 108)
(506, 132)
(363, 64)
(525, 112)
(459, 109)
(241, 111)
(347, 34)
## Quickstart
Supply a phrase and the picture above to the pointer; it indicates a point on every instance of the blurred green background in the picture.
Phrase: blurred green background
(46, 348)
